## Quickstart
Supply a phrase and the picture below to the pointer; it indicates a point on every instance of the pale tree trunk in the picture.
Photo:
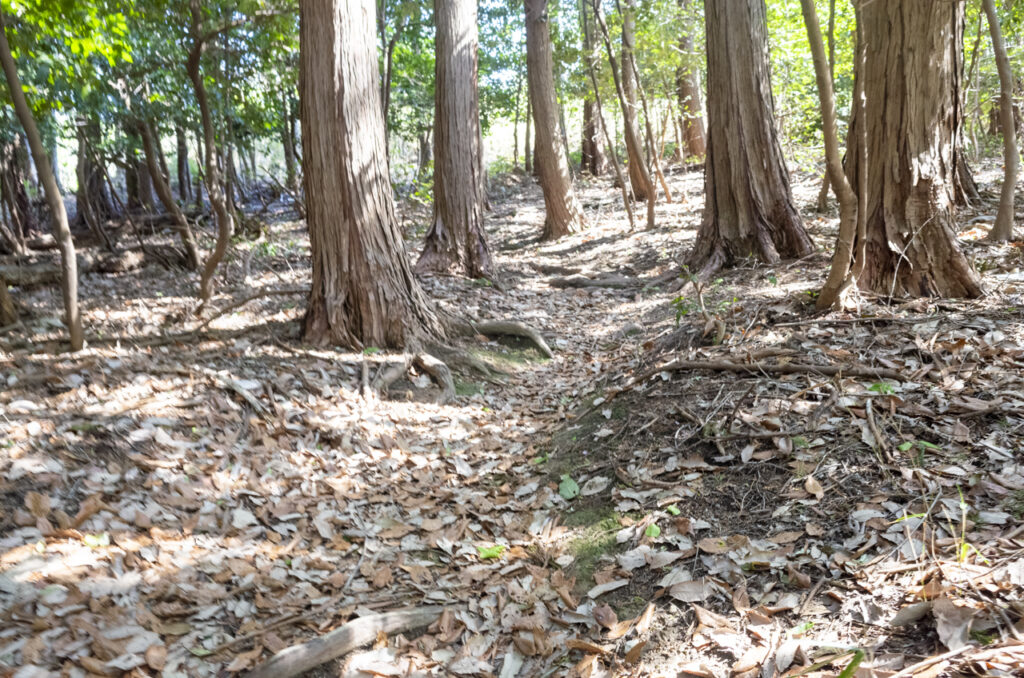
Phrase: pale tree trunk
(363, 293)
(826, 181)
(564, 214)
(688, 92)
(214, 183)
(592, 157)
(69, 265)
(528, 150)
(456, 238)
(1003, 228)
(910, 123)
(629, 130)
(748, 207)
(515, 123)
(639, 176)
(163, 191)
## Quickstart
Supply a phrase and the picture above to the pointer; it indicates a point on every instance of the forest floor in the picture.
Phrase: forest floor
(667, 496)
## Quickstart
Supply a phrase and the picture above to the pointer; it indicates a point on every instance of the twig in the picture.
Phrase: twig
(914, 669)
(300, 658)
(246, 300)
(875, 432)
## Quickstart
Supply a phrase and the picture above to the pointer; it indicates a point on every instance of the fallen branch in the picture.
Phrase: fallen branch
(246, 300)
(610, 281)
(763, 368)
(298, 659)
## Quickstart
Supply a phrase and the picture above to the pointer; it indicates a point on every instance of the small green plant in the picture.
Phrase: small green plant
(370, 350)
(683, 306)
(568, 488)
(652, 531)
(490, 552)
(882, 388)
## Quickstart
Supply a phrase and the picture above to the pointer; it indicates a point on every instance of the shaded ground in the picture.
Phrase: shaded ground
(190, 505)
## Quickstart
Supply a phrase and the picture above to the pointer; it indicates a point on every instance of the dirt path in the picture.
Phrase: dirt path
(187, 507)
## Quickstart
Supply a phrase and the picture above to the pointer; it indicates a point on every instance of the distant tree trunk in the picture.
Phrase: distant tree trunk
(163, 190)
(564, 214)
(424, 155)
(910, 123)
(688, 92)
(198, 194)
(456, 239)
(363, 293)
(93, 191)
(1003, 229)
(592, 157)
(8, 314)
(55, 161)
(528, 151)
(69, 265)
(515, 123)
(639, 176)
(826, 181)
(12, 179)
(184, 175)
(288, 143)
(749, 209)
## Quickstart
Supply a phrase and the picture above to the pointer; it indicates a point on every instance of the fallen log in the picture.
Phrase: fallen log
(620, 282)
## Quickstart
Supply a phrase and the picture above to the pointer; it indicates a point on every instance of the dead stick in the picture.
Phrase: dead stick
(246, 300)
(298, 659)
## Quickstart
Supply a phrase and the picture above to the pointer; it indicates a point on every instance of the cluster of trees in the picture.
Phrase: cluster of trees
(342, 87)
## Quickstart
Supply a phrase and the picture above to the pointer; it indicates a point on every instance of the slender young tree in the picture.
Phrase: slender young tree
(748, 209)
(592, 155)
(1003, 228)
(456, 239)
(911, 77)
(564, 214)
(363, 292)
(639, 174)
(69, 265)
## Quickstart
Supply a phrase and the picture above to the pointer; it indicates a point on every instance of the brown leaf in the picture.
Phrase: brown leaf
(37, 504)
(605, 616)
(156, 657)
(798, 578)
(245, 660)
(814, 487)
(586, 646)
(634, 652)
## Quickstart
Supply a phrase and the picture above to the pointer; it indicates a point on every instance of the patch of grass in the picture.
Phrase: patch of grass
(467, 388)
(597, 540)
(591, 516)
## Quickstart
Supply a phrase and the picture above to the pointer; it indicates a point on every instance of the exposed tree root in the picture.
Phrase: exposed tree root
(497, 328)
(298, 659)
(436, 368)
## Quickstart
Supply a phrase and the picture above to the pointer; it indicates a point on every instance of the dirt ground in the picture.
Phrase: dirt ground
(681, 490)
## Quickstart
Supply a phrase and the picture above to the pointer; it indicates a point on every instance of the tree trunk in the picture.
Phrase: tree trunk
(93, 195)
(184, 176)
(910, 123)
(1003, 229)
(564, 214)
(200, 155)
(288, 143)
(528, 151)
(639, 176)
(688, 92)
(8, 314)
(515, 123)
(214, 185)
(826, 181)
(749, 209)
(163, 190)
(424, 156)
(69, 266)
(12, 178)
(363, 292)
(456, 238)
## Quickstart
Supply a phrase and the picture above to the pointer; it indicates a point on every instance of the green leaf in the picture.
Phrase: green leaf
(674, 510)
(490, 552)
(568, 488)
(652, 531)
(882, 387)
(370, 350)
(903, 447)
(200, 651)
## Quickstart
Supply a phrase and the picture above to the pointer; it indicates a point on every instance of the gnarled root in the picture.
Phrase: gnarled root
(497, 328)
(437, 369)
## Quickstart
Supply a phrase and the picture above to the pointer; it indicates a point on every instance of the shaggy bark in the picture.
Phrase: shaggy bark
(749, 208)
(363, 292)
(911, 126)
(563, 212)
(688, 92)
(456, 239)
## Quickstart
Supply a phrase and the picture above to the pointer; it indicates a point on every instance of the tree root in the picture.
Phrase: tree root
(300, 658)
(605, 280)
(496, 328)
(437, 369)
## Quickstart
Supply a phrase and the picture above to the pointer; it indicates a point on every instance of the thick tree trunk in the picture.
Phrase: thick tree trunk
(363, 293)
(456, 238)
(163, 190)
(184, 175)
(749, 208)
(69, 266)
(564, 214)
(639, 175)
(911, 123)
(691, 110)
(1003, 228)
